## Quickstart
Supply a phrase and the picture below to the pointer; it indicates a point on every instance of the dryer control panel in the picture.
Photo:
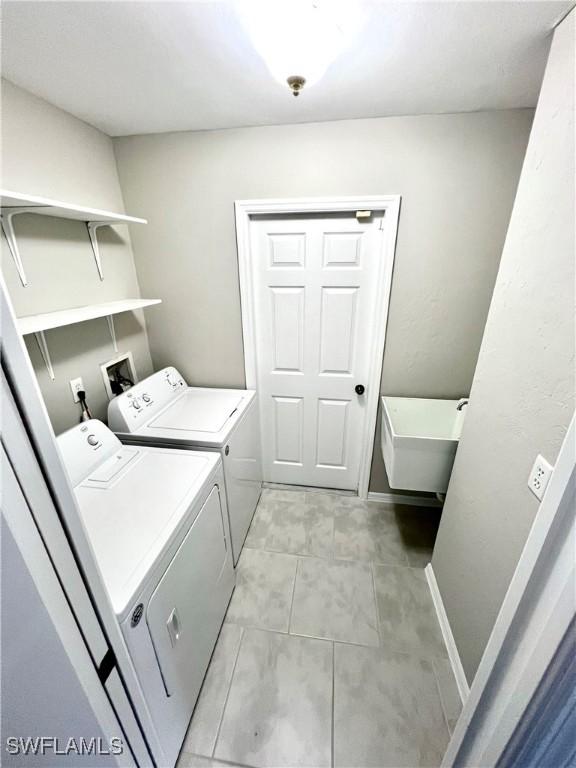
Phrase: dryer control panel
(131, 409)
(85, 447)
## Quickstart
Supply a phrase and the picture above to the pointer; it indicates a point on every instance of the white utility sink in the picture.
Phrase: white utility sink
(419, 441)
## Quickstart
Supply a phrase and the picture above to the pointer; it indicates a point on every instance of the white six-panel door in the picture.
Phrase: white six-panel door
(314, 301)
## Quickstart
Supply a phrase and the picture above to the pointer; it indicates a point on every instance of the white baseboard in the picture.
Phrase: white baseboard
(398, 498)
(453, 655)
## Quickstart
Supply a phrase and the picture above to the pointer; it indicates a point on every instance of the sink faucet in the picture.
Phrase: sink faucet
(462, 403)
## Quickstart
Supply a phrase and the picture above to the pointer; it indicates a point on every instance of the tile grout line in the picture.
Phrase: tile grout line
(392, 649)
(332, 756)
(224, 763)
(292, 598)
(242, 633)
(333, 550)
(315, 637)
(332, 559)
(442, 707)
(372, 567)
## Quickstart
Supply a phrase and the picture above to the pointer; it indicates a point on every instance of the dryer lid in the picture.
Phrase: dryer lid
(131, 519)
(199, 410)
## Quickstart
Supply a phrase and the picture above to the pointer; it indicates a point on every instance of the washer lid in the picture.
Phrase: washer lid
(199, 410)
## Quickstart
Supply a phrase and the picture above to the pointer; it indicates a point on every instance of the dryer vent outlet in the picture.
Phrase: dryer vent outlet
(118, 374)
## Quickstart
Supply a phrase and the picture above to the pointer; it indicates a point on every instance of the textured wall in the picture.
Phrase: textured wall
(48, 152)
(457, 175)
(522, 397)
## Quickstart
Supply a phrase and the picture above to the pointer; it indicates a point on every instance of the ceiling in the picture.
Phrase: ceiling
(147, 67)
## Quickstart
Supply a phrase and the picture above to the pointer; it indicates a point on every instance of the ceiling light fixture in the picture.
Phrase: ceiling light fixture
(296, 83)
(299, 39)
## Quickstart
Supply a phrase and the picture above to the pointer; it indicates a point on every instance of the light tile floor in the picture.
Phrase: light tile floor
(331, 653)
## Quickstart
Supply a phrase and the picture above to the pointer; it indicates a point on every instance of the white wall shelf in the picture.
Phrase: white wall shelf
(14, 203)
(37, 324)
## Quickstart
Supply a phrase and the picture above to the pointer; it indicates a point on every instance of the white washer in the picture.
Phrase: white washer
(157, 521)
(162, 410)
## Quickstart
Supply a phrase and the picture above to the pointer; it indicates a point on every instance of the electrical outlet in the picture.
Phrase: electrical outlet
(76, 385)
(539, 476)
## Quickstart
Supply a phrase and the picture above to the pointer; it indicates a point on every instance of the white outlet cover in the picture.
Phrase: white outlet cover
(75, 385)
(539, 476)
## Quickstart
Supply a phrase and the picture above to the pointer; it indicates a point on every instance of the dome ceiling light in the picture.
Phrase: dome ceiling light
(299, 39)
(296, 83)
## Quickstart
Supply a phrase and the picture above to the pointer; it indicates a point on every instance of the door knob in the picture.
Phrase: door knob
(359, 389)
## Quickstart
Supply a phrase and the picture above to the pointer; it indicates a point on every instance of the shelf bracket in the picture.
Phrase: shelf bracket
(112, 330)
(8, 229)
(92, 227)
(41, 340)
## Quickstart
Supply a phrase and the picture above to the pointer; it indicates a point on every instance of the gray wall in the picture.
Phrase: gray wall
(457, 175)
(47, 152)
(522, 397)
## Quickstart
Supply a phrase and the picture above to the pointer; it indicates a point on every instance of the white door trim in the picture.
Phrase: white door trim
(535, 615)
(390, 205)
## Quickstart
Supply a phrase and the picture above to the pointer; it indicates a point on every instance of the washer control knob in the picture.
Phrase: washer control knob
(136, 404)
(92, 440)
(147, 398)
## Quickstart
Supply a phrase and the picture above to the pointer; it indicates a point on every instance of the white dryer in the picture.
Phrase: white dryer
(162, 410)
(158, 524)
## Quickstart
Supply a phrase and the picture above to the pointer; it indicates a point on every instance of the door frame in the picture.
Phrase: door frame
(390, 207)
